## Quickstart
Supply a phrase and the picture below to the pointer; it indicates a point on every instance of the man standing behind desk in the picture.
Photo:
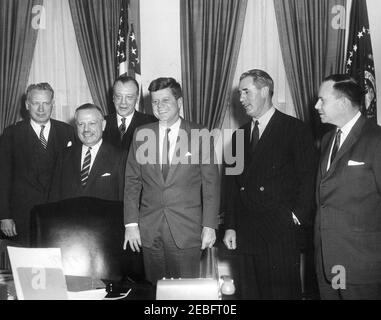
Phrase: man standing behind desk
(120, 126)
(272, 196)
(348, 220)
(93, 168)
(28, 152)
(170, 209)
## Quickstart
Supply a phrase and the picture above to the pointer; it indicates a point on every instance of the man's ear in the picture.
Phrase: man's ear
(103, 124)
(344, 102)
(265, 92)
(180, 103)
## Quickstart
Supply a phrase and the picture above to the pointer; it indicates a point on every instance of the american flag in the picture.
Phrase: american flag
(121, 47)
(360, 63)
(134, 61)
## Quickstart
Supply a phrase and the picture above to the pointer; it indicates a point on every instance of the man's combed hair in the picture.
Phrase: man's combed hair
(164, 83)
(261, 79)
(88, 106)
(42, 86)
(125, 79)
(347, 86)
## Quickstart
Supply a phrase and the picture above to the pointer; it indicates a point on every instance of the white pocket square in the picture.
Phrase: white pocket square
(69, 144)
(106, 174)
(188, 154)
(352, 163)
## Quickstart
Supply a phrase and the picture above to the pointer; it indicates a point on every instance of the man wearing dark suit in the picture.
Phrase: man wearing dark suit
(120, 126)
(28, 152)
(271, 198)
(171, 203)
(348, 220)
(92, 168)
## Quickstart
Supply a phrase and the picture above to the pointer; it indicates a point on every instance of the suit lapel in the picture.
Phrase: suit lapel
(352, 137)
(181, 145)
(325, 149)
(100, 162)
(157, 166)
(76, 165)
(267, 138)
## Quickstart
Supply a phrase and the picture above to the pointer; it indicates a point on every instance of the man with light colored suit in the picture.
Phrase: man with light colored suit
(348, 220)
(93, 168)
(170, 204)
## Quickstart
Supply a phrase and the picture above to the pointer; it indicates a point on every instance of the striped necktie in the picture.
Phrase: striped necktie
(86, 168)
(122, 128)
(42, 137)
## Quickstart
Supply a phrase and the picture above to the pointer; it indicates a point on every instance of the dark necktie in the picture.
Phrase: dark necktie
(165, 155)
(122, 128)
(42, 137)
(86, 168)
(336, 145)
(254, 136)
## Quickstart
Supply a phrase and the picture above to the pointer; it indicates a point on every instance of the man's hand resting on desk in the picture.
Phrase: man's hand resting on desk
(8, 227)
(132, 236)
(208, 237)
(230, 239)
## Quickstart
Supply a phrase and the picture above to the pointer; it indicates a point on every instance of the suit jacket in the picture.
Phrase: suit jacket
(348, 220)
(111, 133)
(188, 198)
(278, 179)
(106, 178)
(24, 182)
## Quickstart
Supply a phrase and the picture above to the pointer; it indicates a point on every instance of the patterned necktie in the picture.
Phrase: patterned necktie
(122, 128)
(42, 137)
(165, 155)
(86, 168)
(336, 145)
(254, 136)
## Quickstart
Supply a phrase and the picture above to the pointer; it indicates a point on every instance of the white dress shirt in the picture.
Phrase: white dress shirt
(344, 134)
(37, 129)
(172, 136)
(128, 119)
(263, 121)
(94, 150)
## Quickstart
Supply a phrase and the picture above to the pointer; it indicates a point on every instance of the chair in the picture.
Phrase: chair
(90, 233)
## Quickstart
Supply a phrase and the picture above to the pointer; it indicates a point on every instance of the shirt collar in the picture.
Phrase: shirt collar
(94, 148)
(173, 127)
(37, 127)
(265, 119)
(128, 118)
(349, 125)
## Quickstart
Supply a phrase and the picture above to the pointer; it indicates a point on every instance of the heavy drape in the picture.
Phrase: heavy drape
(17, 42)
(312, 37)
(211, 34)
(96, 25)
(57, 60)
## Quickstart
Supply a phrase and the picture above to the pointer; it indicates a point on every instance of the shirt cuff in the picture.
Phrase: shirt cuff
(134, 224)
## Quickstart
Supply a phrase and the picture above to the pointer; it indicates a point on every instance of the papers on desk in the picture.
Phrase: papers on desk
(97, 294)
(38, 275)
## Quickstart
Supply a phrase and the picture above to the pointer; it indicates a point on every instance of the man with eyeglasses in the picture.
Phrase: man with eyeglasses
(120, 126)
(28, 152)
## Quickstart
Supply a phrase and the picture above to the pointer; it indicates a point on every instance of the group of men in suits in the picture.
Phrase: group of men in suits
(42, 159)
(171, 202)
(273, 197)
